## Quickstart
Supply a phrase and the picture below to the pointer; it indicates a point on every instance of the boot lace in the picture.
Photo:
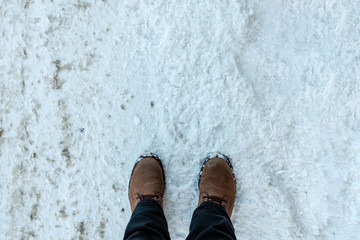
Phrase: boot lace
(148, 196)
(215, 199)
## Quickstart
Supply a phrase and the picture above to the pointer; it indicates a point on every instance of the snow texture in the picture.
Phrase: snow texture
(88, 86)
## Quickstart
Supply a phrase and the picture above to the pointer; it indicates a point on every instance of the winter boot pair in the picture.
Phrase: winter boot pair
(216, 182)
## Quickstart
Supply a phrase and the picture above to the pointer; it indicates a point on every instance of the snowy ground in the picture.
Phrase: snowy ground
(88, 86)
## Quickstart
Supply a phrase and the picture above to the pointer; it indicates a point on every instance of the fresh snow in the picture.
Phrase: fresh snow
(88, 86)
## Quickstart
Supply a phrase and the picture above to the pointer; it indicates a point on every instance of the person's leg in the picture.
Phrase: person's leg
(147, 222)
(211, 221)
(146, 190)
(217, 190)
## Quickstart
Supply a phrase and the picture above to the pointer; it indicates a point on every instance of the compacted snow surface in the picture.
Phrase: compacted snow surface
(86, 87)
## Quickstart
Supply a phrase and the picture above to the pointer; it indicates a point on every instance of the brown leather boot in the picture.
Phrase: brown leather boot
(147, 181)
(217, 183)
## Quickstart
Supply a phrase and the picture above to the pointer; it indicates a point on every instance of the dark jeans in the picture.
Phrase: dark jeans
(209, 221)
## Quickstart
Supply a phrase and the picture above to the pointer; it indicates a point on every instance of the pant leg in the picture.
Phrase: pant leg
(147, 222)
(211, 221)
